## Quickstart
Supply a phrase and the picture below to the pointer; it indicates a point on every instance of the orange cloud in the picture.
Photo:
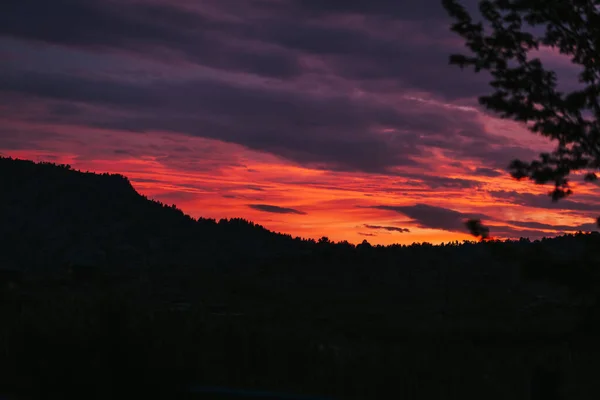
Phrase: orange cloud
(214, 179)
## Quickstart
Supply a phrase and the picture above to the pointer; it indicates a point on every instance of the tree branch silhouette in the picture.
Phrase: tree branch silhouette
(526, 91)
(477, 229)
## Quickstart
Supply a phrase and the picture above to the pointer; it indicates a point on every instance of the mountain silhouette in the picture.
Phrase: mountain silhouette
(100, 284)
(56, 216)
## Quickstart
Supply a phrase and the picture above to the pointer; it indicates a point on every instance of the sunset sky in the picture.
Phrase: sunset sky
(338, 118)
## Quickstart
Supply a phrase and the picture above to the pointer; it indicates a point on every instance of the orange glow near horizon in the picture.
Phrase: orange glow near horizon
(225, 179)
(351, 126)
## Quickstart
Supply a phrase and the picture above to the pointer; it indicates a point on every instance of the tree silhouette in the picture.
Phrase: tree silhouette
(477, 229)
(153, 291)
(526, 91)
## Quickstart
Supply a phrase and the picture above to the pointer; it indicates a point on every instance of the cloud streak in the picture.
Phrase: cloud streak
(237, 108)
(543, 201)
(387, 228)
(427, 216)
(275, 209)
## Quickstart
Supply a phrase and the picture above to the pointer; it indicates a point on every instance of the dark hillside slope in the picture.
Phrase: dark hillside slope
(230, 303)
(52, 216)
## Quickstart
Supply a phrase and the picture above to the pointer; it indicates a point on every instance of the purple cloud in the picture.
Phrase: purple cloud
(299, 126)
(275, 209)
(387, 228)
(265, 40)
(147, 28)
(432, 217)
(488, 172)
(442, 182)
(342, 85)
(285, 49)
(543, 201)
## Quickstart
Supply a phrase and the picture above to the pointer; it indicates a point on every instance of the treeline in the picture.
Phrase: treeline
(105, 288)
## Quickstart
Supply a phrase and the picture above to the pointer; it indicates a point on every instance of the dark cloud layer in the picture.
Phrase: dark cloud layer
(432, 217)
(429, 10)
(333, 130)
(145, 28)
(382, 47)
(343, 85)
(387, 228)
(426, 216)
(442, 182)
(254, 38)
(543, 201)
(488, 172)
(275, 209)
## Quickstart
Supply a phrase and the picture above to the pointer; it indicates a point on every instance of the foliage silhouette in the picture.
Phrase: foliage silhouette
(504, 45)
(526, 91)
(477, 229)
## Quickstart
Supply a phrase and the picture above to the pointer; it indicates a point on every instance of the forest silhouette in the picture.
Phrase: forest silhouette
(106, 293)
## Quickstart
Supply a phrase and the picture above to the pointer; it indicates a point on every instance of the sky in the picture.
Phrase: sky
(337, 118)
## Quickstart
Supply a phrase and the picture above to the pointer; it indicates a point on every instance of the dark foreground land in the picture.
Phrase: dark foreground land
(106, 294)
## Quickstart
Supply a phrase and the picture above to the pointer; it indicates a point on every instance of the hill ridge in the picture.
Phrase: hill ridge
(55, 215)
